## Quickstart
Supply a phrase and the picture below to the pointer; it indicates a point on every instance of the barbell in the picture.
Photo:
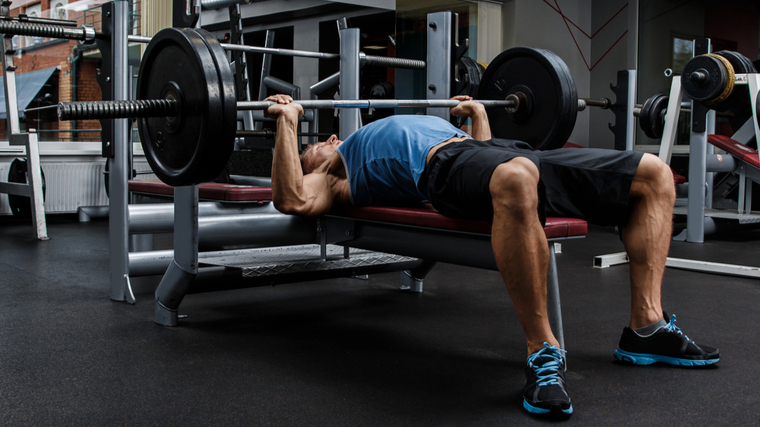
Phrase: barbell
(187, 108)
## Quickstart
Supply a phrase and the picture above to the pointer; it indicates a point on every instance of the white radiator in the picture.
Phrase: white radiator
(69, 185)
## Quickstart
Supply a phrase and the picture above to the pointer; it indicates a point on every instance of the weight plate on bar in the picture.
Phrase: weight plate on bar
(548, 120)
(221, 148)
(466, 82)
(184, 150)
(739, 96)
(657, 111)
(645, 116)
(704, 78)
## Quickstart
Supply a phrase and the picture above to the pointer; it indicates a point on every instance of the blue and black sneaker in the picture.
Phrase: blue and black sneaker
(545, 391)
(666, 345)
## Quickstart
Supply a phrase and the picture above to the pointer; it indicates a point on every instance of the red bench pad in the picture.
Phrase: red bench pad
(423, 215)
(208, 191)
(426, 216)
(735, 148)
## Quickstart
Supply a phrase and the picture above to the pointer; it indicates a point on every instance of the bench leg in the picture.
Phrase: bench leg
(552, 298)
(183, 269)
(411, 280)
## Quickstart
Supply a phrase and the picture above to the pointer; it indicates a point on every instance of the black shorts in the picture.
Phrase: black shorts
(585, 183)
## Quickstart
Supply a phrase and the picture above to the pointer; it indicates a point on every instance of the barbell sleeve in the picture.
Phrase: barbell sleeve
(386, 61)
(84, 110)
(83, 33)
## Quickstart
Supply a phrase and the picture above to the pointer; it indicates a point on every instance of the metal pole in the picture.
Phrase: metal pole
(350, 120)
(118, 227)
(439, 41)
(630, 129)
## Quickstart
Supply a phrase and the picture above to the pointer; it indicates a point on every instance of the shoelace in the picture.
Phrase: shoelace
(548, 373)
(671, 327)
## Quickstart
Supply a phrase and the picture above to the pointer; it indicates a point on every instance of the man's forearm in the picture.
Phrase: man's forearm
(287, 175)
(481, 130)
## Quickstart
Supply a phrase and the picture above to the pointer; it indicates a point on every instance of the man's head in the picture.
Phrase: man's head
(316, 154)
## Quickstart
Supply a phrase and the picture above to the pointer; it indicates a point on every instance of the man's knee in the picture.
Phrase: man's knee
(514, 187)
(653, 178)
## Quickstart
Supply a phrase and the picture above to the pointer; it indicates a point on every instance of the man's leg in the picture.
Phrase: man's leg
(650, 338)
(647, 237)
(520, 248)
(522, 255)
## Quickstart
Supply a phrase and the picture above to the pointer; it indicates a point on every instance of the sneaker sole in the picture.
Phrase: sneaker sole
(648, 359)
(534, 410)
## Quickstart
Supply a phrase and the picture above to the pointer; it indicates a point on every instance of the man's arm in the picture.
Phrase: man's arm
(292, 192)
(481, 129)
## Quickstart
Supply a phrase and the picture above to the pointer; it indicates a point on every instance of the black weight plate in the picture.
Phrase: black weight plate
(468, 75)
(553, 99)
(219, 149)
(657, 116)
(571, 107)
(739, 97)
(645, 117)
(21, 206)
(708, 89)
(175, 147)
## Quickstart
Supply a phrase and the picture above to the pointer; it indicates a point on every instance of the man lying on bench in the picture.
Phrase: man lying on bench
(411, 158)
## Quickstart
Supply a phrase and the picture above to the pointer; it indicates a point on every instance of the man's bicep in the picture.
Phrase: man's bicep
(318, 193)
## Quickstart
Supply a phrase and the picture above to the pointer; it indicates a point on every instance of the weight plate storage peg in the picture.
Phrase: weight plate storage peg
(190, 67)
(548, 98)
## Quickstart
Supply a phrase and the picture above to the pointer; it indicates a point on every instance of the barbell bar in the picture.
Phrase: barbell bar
(364, 59)
(84, 110)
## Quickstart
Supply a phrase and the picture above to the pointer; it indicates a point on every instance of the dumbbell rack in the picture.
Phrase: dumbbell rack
(33, 188)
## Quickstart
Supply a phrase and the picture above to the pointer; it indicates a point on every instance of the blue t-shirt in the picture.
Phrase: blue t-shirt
(385, 159)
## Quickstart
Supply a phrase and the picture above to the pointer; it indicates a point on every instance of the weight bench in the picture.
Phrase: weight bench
(414, 232)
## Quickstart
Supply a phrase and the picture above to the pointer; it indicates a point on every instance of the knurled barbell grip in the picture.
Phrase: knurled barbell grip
(117, 109)
(45, 30)
(320, 104)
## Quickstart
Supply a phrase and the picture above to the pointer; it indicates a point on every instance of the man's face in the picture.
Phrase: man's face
(322, 151)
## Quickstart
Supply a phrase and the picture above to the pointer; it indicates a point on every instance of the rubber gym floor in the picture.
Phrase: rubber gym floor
(351, 352)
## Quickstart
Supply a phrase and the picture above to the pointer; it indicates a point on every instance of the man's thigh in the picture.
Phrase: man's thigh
(587, 183)
(458, 185)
